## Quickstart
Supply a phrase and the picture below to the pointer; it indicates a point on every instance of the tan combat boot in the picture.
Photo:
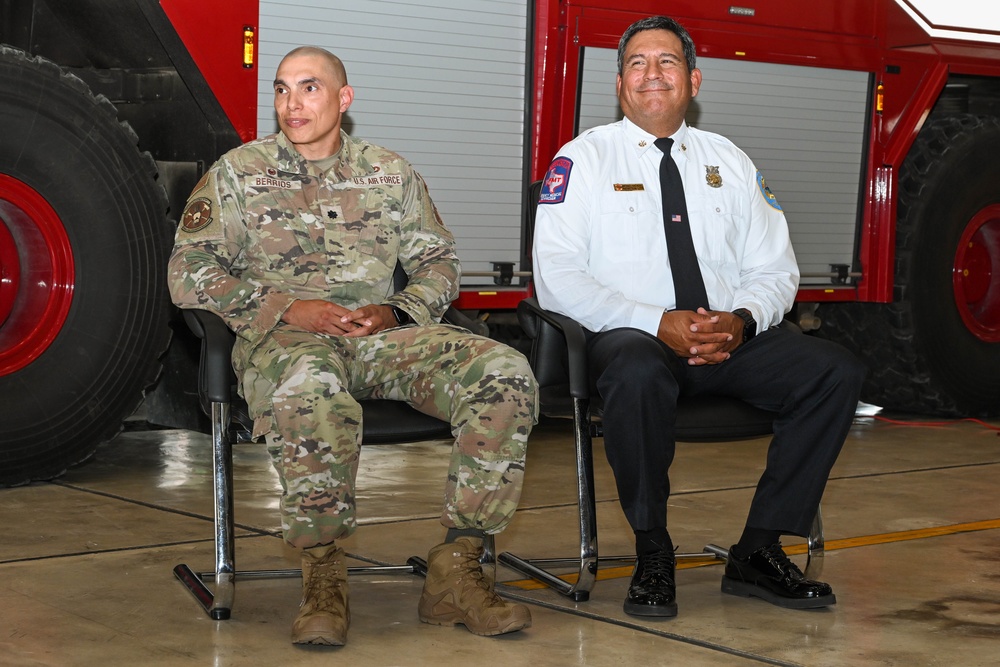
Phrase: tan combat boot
(324, 615)
(456, 591)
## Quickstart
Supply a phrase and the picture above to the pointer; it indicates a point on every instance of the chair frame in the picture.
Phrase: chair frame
(216, 379)
(585, 428)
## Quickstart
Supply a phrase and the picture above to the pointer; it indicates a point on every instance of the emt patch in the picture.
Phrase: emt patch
(556, 181)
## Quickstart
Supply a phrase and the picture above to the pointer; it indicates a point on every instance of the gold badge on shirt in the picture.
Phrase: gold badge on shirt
(712, 176)
(628, 187)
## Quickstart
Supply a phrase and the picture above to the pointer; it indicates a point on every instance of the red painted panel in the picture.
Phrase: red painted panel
(842, 18)
(213, 33)
(480, 298)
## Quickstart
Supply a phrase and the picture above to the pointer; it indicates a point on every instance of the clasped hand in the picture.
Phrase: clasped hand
(325, 317)
(702, 337)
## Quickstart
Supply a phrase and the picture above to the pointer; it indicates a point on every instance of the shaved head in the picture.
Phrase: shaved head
(335, 64)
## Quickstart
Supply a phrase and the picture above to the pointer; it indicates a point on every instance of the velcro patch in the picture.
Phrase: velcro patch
(260, 182)
(377, 180)
(197, 215)
(556, 181)
(766, 192)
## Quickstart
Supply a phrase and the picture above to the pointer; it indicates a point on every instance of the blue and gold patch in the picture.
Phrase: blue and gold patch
(766, 192)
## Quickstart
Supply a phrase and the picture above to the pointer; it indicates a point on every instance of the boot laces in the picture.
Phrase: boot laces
(781, 560)
(323, 587)
(658, 566)
(472, 572)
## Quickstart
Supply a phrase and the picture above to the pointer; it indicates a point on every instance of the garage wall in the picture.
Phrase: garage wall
(441, 83)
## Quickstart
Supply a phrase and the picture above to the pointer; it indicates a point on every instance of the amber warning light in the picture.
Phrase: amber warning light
(249, 39)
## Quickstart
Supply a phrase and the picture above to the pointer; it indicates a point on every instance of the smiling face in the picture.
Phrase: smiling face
(310, 97)
(655, 86)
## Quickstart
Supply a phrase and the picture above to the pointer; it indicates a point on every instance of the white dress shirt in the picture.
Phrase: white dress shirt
(600, 253)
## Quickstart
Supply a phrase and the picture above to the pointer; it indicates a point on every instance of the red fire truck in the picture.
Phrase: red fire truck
(904, 178)
(110, 110)
(876, 126)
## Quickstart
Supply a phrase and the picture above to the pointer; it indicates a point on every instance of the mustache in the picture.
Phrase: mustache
(654, 85)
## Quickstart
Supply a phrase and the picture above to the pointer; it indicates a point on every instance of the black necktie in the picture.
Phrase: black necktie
(689, 287)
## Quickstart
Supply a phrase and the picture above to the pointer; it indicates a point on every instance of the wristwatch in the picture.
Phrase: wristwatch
(749, 323)
(402, 317)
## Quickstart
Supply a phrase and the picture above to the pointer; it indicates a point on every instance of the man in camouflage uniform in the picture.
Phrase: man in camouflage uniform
(293, 239)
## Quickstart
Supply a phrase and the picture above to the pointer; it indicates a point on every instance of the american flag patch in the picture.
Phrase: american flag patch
(675, 218)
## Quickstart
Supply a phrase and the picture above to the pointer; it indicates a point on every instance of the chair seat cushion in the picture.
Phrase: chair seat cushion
(395, 421)
(701, 419)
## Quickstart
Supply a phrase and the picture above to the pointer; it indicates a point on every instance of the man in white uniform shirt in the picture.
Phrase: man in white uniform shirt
(601, 257)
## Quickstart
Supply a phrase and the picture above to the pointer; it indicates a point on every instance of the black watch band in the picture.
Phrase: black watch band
(402, 317)
(749, 323)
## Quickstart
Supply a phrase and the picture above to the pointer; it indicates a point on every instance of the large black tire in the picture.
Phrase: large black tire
(936, 348)
(83, 229)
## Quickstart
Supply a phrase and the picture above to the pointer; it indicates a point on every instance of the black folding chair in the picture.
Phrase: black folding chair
(558, 358)
(385, 422)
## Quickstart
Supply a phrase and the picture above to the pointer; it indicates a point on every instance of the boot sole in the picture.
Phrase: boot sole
(743, 589)
(650, 610)
(512, 626)
(320, 639)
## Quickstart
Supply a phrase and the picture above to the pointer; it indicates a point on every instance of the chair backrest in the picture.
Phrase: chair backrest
(548, 354)
(549, 361)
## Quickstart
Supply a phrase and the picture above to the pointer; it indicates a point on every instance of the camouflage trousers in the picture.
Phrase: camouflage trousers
(303, 389)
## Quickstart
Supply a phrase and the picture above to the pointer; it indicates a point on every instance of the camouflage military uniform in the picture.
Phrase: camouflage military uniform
(265, 227)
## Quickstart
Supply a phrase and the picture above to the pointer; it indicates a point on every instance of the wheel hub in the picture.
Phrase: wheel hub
(36, 274)
(976, 275)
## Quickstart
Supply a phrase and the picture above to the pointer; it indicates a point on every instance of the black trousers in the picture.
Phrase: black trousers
(812, 384)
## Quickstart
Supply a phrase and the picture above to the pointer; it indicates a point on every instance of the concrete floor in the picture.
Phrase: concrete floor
(913, 553)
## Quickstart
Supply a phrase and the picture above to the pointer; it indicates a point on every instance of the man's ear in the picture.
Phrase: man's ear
(346, 97)
(695, 81)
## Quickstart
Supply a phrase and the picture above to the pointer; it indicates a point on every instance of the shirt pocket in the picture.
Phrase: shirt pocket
(288, 240)
(631, 230)
(719, 232)
(370, 227)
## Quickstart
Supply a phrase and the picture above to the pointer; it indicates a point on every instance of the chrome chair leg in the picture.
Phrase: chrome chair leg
(816, 547)
(219, 604)
(586, 502)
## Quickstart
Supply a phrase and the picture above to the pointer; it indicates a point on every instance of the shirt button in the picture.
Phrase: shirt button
(631, 209)
(718, 210)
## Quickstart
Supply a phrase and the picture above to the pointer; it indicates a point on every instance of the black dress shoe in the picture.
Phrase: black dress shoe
(652, 591)
(768, 574)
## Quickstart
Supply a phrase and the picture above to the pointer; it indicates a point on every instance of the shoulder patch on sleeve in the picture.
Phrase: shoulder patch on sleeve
(766, 192)
(556, 181)
(197, 215)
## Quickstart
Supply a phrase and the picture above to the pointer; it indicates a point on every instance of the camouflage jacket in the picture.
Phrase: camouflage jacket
(265, 227)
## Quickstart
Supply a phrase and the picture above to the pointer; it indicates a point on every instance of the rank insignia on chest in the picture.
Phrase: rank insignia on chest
(712, 176)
